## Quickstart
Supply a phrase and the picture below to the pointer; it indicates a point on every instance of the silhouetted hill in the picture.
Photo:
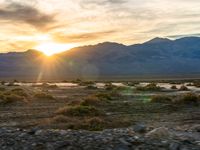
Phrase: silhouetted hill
(158, 56)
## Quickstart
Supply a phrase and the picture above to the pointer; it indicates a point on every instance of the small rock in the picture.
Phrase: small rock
(124, 142)
(121, 147)
(161, 132)
(32, 131)
(38, 132)
(184, 148)
(196, 128)
(140, 128)
(174, 146)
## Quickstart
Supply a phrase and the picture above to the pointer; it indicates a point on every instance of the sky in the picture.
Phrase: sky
(57, 25)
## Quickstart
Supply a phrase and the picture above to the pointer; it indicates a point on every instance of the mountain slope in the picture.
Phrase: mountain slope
(155, 57)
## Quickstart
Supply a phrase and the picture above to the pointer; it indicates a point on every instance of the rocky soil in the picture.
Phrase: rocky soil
(138, 137)
(149, 126)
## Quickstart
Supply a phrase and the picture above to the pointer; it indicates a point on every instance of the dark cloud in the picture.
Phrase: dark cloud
(25, 13)
(64, 38)
(182, 35)
(88, 3)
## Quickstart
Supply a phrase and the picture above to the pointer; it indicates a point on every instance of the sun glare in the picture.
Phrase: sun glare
(50, 49)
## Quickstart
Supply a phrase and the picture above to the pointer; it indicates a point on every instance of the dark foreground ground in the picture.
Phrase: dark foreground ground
(117, 139)
(109, 117)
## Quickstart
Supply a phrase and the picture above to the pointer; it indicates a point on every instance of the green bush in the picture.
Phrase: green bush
(79, 111)
(161, 99)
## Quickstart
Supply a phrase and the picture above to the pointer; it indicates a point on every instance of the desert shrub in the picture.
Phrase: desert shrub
(86, 83)
(78, 111)
(149, 87)
(74, 103)
(76, 81)
(43, 96)
(122, 88)
(2, 89)
(91, 87)
(98, 99)
(104, 96)
(69, 122)
(3, 82)
(10, 98)
(12, 84)
(91, 100)
(19, 92)
(197, 84)
(189, 84)
(175, 82)
(132, 83)
(92, 124)
(95, 124)
(110, 86)
(45, 84)
(183, 88)
(189, 98)
(60, 119)
(52, 86)
(17, 89)
(48, 86)
(173, 87)
(160, 99)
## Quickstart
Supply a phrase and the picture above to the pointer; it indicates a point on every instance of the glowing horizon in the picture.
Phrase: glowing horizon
(50, 49)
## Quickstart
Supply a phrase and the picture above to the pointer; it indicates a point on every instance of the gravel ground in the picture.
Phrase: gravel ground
(133, 138)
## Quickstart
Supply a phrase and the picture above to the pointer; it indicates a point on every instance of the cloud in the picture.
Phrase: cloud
(16, 45)
(183, 35)
(84, 37)
(25, 13)
(90, 3)
(104, 2)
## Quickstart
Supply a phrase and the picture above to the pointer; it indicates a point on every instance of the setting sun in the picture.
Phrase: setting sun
(50, 49)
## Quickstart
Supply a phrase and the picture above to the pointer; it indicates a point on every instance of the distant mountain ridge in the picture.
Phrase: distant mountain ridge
(159, 56)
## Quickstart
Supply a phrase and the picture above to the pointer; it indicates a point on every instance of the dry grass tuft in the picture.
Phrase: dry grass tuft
(161, 99)
(79, 111)
(43, 96)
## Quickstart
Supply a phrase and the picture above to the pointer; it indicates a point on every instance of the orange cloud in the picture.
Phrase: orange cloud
(73, 38)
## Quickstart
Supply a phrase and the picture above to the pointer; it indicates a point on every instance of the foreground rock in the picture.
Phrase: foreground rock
(116, 139)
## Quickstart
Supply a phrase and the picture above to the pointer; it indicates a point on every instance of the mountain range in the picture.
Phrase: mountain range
(157, 57)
